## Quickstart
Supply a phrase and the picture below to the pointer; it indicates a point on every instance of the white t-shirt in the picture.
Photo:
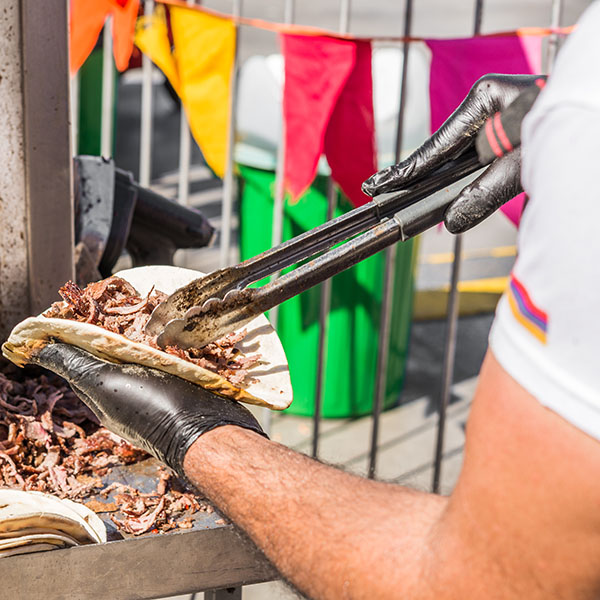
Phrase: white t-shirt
(546, 334)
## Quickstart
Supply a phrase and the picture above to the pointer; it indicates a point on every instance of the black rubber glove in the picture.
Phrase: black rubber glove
(155, 411)
(498, 184)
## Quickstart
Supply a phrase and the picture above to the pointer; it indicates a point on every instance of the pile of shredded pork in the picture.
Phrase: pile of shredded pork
(115, 304)
(51, 442)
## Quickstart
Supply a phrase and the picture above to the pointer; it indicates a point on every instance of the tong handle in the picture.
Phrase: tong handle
(405, 224)
(306, 245)
(203, 324)
(345, 226)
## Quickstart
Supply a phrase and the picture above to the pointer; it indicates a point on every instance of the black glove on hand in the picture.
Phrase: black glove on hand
(498, 184)
(156, 411)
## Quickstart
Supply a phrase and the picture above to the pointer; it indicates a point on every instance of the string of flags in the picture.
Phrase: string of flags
(328, 88)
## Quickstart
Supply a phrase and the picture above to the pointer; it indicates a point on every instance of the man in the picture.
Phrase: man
(524, 519)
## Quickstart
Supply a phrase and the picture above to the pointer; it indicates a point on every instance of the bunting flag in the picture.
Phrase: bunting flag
(350, 145)
(457, 64)
(152, 38)
(86, 21)
(328, 106)
(199, 68)
(85, 24)
(125, 15)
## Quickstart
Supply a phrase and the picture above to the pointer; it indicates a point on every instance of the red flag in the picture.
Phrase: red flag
(457, 64)
(350, 137)
(328, 104)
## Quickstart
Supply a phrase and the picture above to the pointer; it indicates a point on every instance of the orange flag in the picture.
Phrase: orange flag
(124, 17)
(86, 22)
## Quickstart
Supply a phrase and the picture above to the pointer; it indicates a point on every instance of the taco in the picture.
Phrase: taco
(108, 318)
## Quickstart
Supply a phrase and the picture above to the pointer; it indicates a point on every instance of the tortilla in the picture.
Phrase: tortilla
(36, 514)
(56, 539)
(269, 380)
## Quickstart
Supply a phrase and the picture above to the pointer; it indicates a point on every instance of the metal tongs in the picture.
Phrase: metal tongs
(210, 307)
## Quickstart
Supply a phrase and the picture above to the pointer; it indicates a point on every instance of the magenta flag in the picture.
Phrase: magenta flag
(328, 108)
(457, 64)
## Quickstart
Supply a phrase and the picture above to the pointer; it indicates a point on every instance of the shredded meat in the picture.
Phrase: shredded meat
(115, 305)
(51, 442)
(165, 509)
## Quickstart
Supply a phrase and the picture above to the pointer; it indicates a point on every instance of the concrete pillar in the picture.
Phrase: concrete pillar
(36, 214)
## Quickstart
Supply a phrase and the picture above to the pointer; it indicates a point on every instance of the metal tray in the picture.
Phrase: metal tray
(210, 555)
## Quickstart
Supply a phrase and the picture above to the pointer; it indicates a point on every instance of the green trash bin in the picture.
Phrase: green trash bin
(353, 329)
(90, 104)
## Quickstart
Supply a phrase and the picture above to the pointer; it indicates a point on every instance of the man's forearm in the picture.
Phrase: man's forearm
(332, 534)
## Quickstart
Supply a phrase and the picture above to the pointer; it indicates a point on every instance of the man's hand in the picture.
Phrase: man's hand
(497, 185)
(158, 412)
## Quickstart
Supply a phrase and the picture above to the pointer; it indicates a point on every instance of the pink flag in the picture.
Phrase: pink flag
(457, 64)
(350, 137)
(328, 105)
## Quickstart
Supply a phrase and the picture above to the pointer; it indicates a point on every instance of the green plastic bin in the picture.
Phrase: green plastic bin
(353, 328)
(90, 104)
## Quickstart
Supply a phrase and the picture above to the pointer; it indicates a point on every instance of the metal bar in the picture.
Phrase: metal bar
(289, 11)
(477, 20)
(185, 157)
(555, 21)
(74, 92)
(390, 267)
(278, 202)
(226, 594)
(324, 306)
(451, 328)
(229, 179)
(108, 91)
(325, 296)
(345, 8)
(185, 154)
(74, 96)
(146, 116)
(151, 566)
(449, 359)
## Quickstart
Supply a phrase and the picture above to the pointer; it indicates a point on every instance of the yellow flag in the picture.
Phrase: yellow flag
(199, 69)
(152, 38)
